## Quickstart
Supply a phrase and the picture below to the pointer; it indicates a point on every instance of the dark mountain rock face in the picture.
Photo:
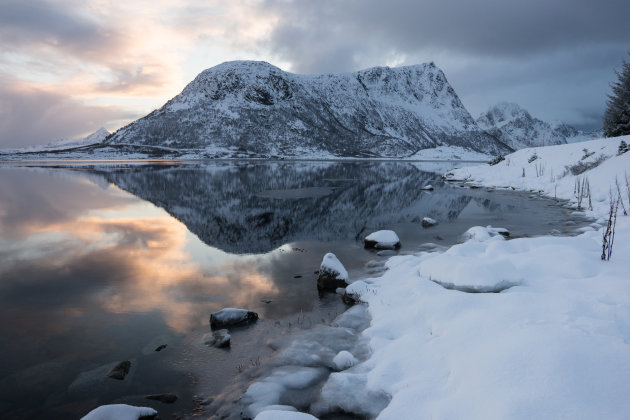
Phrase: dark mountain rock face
(256, 108)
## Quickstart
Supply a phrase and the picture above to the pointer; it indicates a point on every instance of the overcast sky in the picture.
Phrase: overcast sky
(68, 67)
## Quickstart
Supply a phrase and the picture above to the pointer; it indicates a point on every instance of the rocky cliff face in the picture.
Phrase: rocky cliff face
(258, 109)
(518, 129)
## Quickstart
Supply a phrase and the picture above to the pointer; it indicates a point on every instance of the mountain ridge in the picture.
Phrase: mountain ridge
(260, 109)
(516, 127)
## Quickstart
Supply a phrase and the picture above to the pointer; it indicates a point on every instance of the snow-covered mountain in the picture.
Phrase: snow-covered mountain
(516, 127)
(258, 109)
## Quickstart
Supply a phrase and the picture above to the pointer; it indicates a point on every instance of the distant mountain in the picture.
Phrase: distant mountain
(256, 109)
(517, 128)
(62, 145)
(94, 138)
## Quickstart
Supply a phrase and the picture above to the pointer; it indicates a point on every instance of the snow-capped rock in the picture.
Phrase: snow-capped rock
(428, 222)
(517, 128)
(231, 316)
(257, 109)
(332, 273)
(382, 239)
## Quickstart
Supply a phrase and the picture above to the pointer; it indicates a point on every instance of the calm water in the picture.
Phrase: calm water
(103, 263)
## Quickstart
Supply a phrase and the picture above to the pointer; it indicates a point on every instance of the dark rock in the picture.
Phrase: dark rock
(297, 276)
(160, 348)
(230, 317)
(350, 298)
(328, 281)
(120, 370)
(428, 222)
(164, 398)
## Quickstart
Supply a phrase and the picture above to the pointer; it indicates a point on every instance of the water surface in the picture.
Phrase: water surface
(101, 263)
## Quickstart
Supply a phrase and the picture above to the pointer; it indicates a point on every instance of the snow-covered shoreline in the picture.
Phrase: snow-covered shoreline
(554, 343)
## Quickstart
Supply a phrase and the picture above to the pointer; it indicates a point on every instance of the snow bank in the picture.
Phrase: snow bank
(552, 341)
(119, 412)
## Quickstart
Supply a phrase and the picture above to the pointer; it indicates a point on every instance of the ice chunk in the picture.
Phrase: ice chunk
(232, 316)
(344, 360)
(382, 239)
(119, 412)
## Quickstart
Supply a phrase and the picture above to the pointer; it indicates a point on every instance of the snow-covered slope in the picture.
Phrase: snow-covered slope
(256, 108)
(505, 329)
(517, 128)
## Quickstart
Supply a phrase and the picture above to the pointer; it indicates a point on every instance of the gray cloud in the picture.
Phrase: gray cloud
(491, 28)
(554, 57)
(31, 116)
(41, 23)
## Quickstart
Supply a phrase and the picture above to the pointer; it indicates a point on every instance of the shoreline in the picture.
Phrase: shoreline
(546, 332)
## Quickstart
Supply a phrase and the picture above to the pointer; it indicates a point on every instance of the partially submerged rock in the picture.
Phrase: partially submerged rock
(218, 338)
(428, 222)
(428, 187)
(164, 398)
(120, 370)
(232, 316)
(382, 239)
(332, 274)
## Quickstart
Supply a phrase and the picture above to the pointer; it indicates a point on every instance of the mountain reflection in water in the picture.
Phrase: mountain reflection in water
(256, 207)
